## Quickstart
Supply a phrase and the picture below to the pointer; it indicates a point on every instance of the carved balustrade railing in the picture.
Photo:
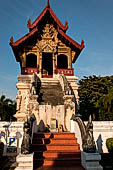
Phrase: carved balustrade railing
(88, 143)
(65, 85)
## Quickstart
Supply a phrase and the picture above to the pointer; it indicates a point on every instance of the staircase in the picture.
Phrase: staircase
(55, 150)
(50, 92)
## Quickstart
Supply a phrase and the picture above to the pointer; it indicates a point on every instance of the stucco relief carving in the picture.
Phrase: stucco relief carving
(69, 110)
(33, 90)
(19, 100)
(34, 106)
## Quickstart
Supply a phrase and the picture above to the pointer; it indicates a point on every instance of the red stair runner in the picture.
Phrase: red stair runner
(56, 151)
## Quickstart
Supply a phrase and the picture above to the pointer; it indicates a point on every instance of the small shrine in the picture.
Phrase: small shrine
(47, 86)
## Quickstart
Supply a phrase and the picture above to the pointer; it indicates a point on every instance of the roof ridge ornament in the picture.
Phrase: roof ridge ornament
(66, 24)
(82, 44)
(29, 23)
(11, 40)
(48, 4)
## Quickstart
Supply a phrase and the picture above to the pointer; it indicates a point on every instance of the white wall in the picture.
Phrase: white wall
(75, 128)
(46, 112)
(102, 131)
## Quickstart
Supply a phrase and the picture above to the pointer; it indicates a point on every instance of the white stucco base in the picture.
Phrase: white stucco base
(75, 128)
(90, 161)
(48, 112)
(25, 162)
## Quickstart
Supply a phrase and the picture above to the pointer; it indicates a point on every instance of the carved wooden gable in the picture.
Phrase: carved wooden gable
(49, 39)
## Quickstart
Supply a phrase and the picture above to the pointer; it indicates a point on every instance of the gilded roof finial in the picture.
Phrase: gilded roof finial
(48, 4)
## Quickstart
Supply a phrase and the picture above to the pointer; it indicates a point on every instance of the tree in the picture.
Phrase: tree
(7, 109)
(96, 97)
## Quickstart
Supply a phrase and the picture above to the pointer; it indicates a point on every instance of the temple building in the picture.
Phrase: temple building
(47, 86)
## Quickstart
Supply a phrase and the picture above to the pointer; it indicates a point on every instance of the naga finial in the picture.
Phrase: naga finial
(29, 23)
(66, 24)
(82, 44)
(48, 4)
(11, 40)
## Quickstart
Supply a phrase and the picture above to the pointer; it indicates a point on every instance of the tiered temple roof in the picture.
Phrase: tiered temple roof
(35, 27)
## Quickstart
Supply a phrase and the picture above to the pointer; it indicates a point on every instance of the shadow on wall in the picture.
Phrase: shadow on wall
(42, 128)
(99, 144)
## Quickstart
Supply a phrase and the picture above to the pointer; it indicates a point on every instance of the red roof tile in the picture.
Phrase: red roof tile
(79, 46)
(35, 23)
(34, 28)
(25, 37)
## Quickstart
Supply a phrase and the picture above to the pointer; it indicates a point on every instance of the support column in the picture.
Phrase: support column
(69, 58)
(53, 63)
(40, 66)
(24, 60)
(56, 59)
(38, 58)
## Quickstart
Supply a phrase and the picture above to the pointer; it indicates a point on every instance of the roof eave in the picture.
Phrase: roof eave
(47, 8)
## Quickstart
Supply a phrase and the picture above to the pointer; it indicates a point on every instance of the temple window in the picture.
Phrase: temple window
(31, 61)
(62, 61)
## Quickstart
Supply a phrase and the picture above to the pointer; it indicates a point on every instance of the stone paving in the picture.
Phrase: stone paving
(60, 168)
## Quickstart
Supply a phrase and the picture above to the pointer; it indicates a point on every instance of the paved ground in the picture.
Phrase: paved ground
(60, 168)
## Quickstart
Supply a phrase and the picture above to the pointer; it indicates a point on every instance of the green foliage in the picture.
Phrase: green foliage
(96, 97)
(109, 144)
(7, 109)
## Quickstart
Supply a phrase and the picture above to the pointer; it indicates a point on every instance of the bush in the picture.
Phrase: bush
(1, 148)
(109, 144)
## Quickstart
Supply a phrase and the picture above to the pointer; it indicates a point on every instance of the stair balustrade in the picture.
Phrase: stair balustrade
(88, 143)
(65, 85)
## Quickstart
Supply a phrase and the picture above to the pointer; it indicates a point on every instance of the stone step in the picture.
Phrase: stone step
(59, 168)
(57, 154)
(58, 147)
(56, 150)
(66, 135)
(23, 168)
(52, 81)
(58, 161)
(51, 93)
(54, 141)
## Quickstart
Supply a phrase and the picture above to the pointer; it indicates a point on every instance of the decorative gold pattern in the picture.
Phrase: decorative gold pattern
(49, 43)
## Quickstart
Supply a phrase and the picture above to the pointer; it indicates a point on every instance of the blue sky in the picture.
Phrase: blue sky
(90, 20)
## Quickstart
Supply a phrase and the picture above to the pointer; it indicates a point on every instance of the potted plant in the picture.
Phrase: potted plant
(109, 145)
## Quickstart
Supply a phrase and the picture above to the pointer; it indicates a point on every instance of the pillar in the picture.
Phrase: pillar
(69, 58)
(38, 58)
(24, 60)
(54, 68)
(40, 65)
